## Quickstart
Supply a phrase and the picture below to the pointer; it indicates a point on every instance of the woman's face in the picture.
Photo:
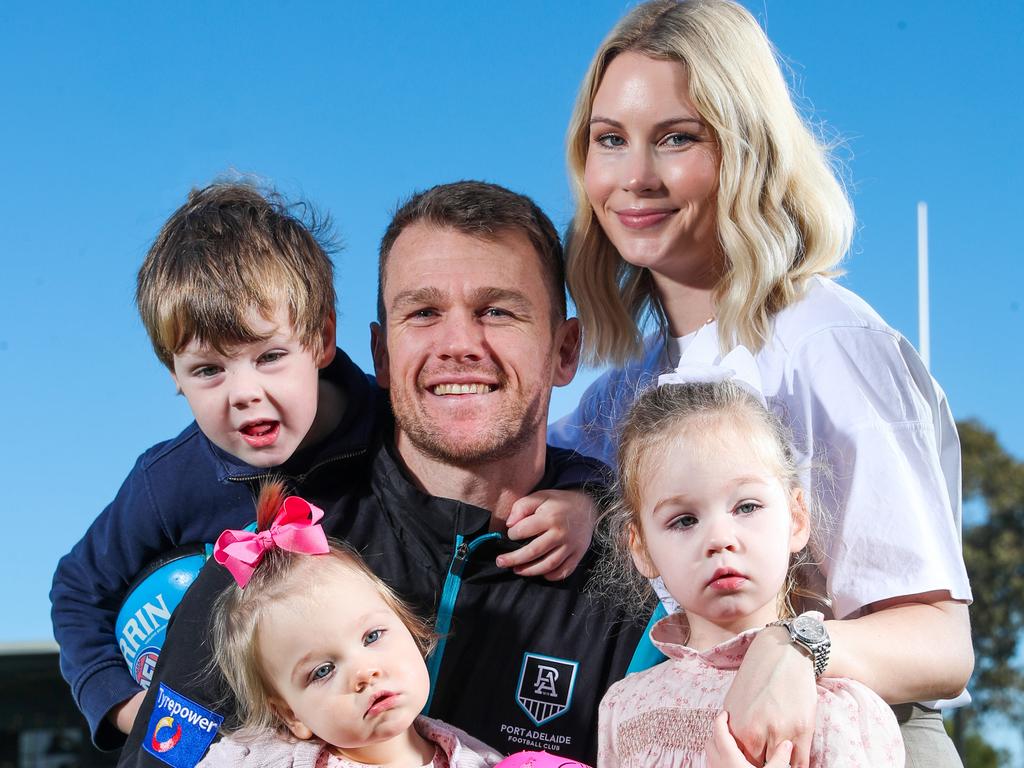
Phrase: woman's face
(652, 169)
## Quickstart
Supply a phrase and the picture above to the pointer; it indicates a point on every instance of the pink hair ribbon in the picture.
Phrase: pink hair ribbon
(295, 528)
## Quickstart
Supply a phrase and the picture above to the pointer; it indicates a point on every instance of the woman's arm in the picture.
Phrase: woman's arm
(907, 649)
(591, 429)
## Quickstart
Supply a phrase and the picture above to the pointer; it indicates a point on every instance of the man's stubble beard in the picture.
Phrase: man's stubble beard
(512, 432)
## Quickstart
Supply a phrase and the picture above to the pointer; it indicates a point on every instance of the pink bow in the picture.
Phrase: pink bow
(295, 529)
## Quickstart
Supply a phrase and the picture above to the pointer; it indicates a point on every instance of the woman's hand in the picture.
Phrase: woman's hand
(723, 752)
(773, 699)
(561, 524)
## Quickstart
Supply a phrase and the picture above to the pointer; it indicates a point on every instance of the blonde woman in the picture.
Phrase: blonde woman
(703, 199)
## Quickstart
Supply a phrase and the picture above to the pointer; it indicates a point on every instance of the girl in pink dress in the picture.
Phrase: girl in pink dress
(326, 663)
(709, 500)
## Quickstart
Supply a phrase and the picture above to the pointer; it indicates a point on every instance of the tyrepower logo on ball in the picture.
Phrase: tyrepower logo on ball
(180, 731)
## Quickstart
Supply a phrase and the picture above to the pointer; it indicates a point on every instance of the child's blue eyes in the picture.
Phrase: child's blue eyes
(210, 371)
(322, 672)
(684, 522)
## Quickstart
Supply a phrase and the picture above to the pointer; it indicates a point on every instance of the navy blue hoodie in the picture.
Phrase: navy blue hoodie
(182, 491)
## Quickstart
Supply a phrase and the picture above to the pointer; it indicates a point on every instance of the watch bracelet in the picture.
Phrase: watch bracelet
(819, 657)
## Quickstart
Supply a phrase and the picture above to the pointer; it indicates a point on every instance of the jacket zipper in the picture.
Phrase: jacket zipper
(446, 608)
(300, 478)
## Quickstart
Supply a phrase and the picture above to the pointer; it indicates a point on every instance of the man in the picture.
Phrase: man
(472, 337)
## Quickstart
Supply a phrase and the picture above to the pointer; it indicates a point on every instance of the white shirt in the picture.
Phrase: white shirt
(871, 429)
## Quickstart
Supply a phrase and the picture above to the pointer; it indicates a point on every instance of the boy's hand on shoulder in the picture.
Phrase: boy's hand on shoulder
(724, 752)
(561, 524)
(123, 715)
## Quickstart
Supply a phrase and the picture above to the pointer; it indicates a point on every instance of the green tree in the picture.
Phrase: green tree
(978, 753)
(994, 553)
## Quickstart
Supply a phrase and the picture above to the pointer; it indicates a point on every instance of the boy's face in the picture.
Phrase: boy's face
(258, 402)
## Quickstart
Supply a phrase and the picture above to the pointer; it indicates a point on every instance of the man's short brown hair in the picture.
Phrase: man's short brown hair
(232, 248)
(482, 210)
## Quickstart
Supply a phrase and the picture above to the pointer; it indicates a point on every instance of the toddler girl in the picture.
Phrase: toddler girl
(325, 661)
(709, 501)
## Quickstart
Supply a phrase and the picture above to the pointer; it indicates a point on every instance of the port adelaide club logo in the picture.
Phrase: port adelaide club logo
(545, 686)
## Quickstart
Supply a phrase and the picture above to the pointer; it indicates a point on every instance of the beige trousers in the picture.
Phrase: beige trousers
(925, 738)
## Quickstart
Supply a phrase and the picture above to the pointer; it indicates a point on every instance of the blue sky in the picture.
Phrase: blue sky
(112, 111)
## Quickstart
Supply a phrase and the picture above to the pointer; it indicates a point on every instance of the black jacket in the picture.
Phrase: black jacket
(522, 664)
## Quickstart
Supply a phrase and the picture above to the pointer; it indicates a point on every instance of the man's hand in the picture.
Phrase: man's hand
(561, 524)
(723, 752)
(123, 715)
(773, 699)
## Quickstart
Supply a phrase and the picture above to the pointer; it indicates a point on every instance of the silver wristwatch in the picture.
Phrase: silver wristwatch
(810, 634)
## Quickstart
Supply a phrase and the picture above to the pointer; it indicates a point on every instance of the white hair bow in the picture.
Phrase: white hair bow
(701, 364)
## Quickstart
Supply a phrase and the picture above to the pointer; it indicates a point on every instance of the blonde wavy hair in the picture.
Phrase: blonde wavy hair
(782, 216)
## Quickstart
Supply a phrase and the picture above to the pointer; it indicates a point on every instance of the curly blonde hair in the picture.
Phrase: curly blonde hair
(782, 214)
(669, 412)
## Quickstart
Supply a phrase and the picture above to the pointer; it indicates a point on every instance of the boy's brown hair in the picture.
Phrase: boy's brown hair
(231, 248)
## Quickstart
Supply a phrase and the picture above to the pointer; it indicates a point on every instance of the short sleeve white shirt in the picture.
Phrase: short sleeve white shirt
(871, 428)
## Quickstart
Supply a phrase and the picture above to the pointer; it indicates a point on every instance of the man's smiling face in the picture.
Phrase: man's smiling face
(470, 348)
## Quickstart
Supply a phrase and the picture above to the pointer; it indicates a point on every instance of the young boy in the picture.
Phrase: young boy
(237, 296)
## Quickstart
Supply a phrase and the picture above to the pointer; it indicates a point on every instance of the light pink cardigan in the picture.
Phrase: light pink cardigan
(456, 749)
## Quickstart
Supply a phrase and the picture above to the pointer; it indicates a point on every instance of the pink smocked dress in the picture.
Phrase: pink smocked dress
(663, 716)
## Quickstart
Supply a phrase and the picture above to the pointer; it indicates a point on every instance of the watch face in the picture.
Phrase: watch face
(808, 629)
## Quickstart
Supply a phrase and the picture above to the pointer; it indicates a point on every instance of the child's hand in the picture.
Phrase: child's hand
(123, 715)
(724, 752)
(563, 524)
